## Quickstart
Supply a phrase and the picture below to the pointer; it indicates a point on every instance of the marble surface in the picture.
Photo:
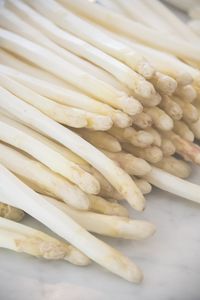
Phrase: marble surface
(170, 262)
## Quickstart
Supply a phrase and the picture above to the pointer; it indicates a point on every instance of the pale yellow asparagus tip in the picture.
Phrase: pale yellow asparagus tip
(131, 106)
(142, 120)
(121, 120)
(144, 186)
(100, 205)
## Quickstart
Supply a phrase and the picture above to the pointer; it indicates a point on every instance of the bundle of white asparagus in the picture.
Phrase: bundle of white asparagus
(98, 101)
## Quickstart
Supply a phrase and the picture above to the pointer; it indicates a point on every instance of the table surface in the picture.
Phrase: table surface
(170, 261)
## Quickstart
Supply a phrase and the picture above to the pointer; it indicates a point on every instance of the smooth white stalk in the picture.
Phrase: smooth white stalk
(174, 185)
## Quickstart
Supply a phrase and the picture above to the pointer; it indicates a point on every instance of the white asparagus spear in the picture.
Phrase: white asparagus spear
(174, 185)
(68, 21)
(11, 133)
(102, 206)
(152, 154)
(195, 128)
(123, 73)
(68, 72)
(143, 185)
(167, 147)
(44, 178)
(66, 96)
(35, 119)
(102, 140)
(25, 239)
(175, 166)
(137, 31)
(187, 93)
(142, 120)
(138, 138)
(131, 164)
(172, 108)
(160, 119)
(189, 151)
(157, 140)
(113, 226)
(182, 129)
(163, 83)
(63, 225)
(190, 112)
(11, 212)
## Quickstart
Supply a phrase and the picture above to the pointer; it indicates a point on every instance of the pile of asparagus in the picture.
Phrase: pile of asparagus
(96, 105)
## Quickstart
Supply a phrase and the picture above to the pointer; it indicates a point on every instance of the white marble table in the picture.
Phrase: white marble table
(170, 261)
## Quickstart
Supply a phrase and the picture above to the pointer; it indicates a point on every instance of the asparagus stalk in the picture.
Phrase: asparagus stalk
(160, 119)
(171, 107)
(24, 239)
(143, 185)
(138, 138)
(151, 154)
(175, 167)
(167, 147)
(173, 184)
(63, 225)
(181, 128)
(131, 164)
(102, 140)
